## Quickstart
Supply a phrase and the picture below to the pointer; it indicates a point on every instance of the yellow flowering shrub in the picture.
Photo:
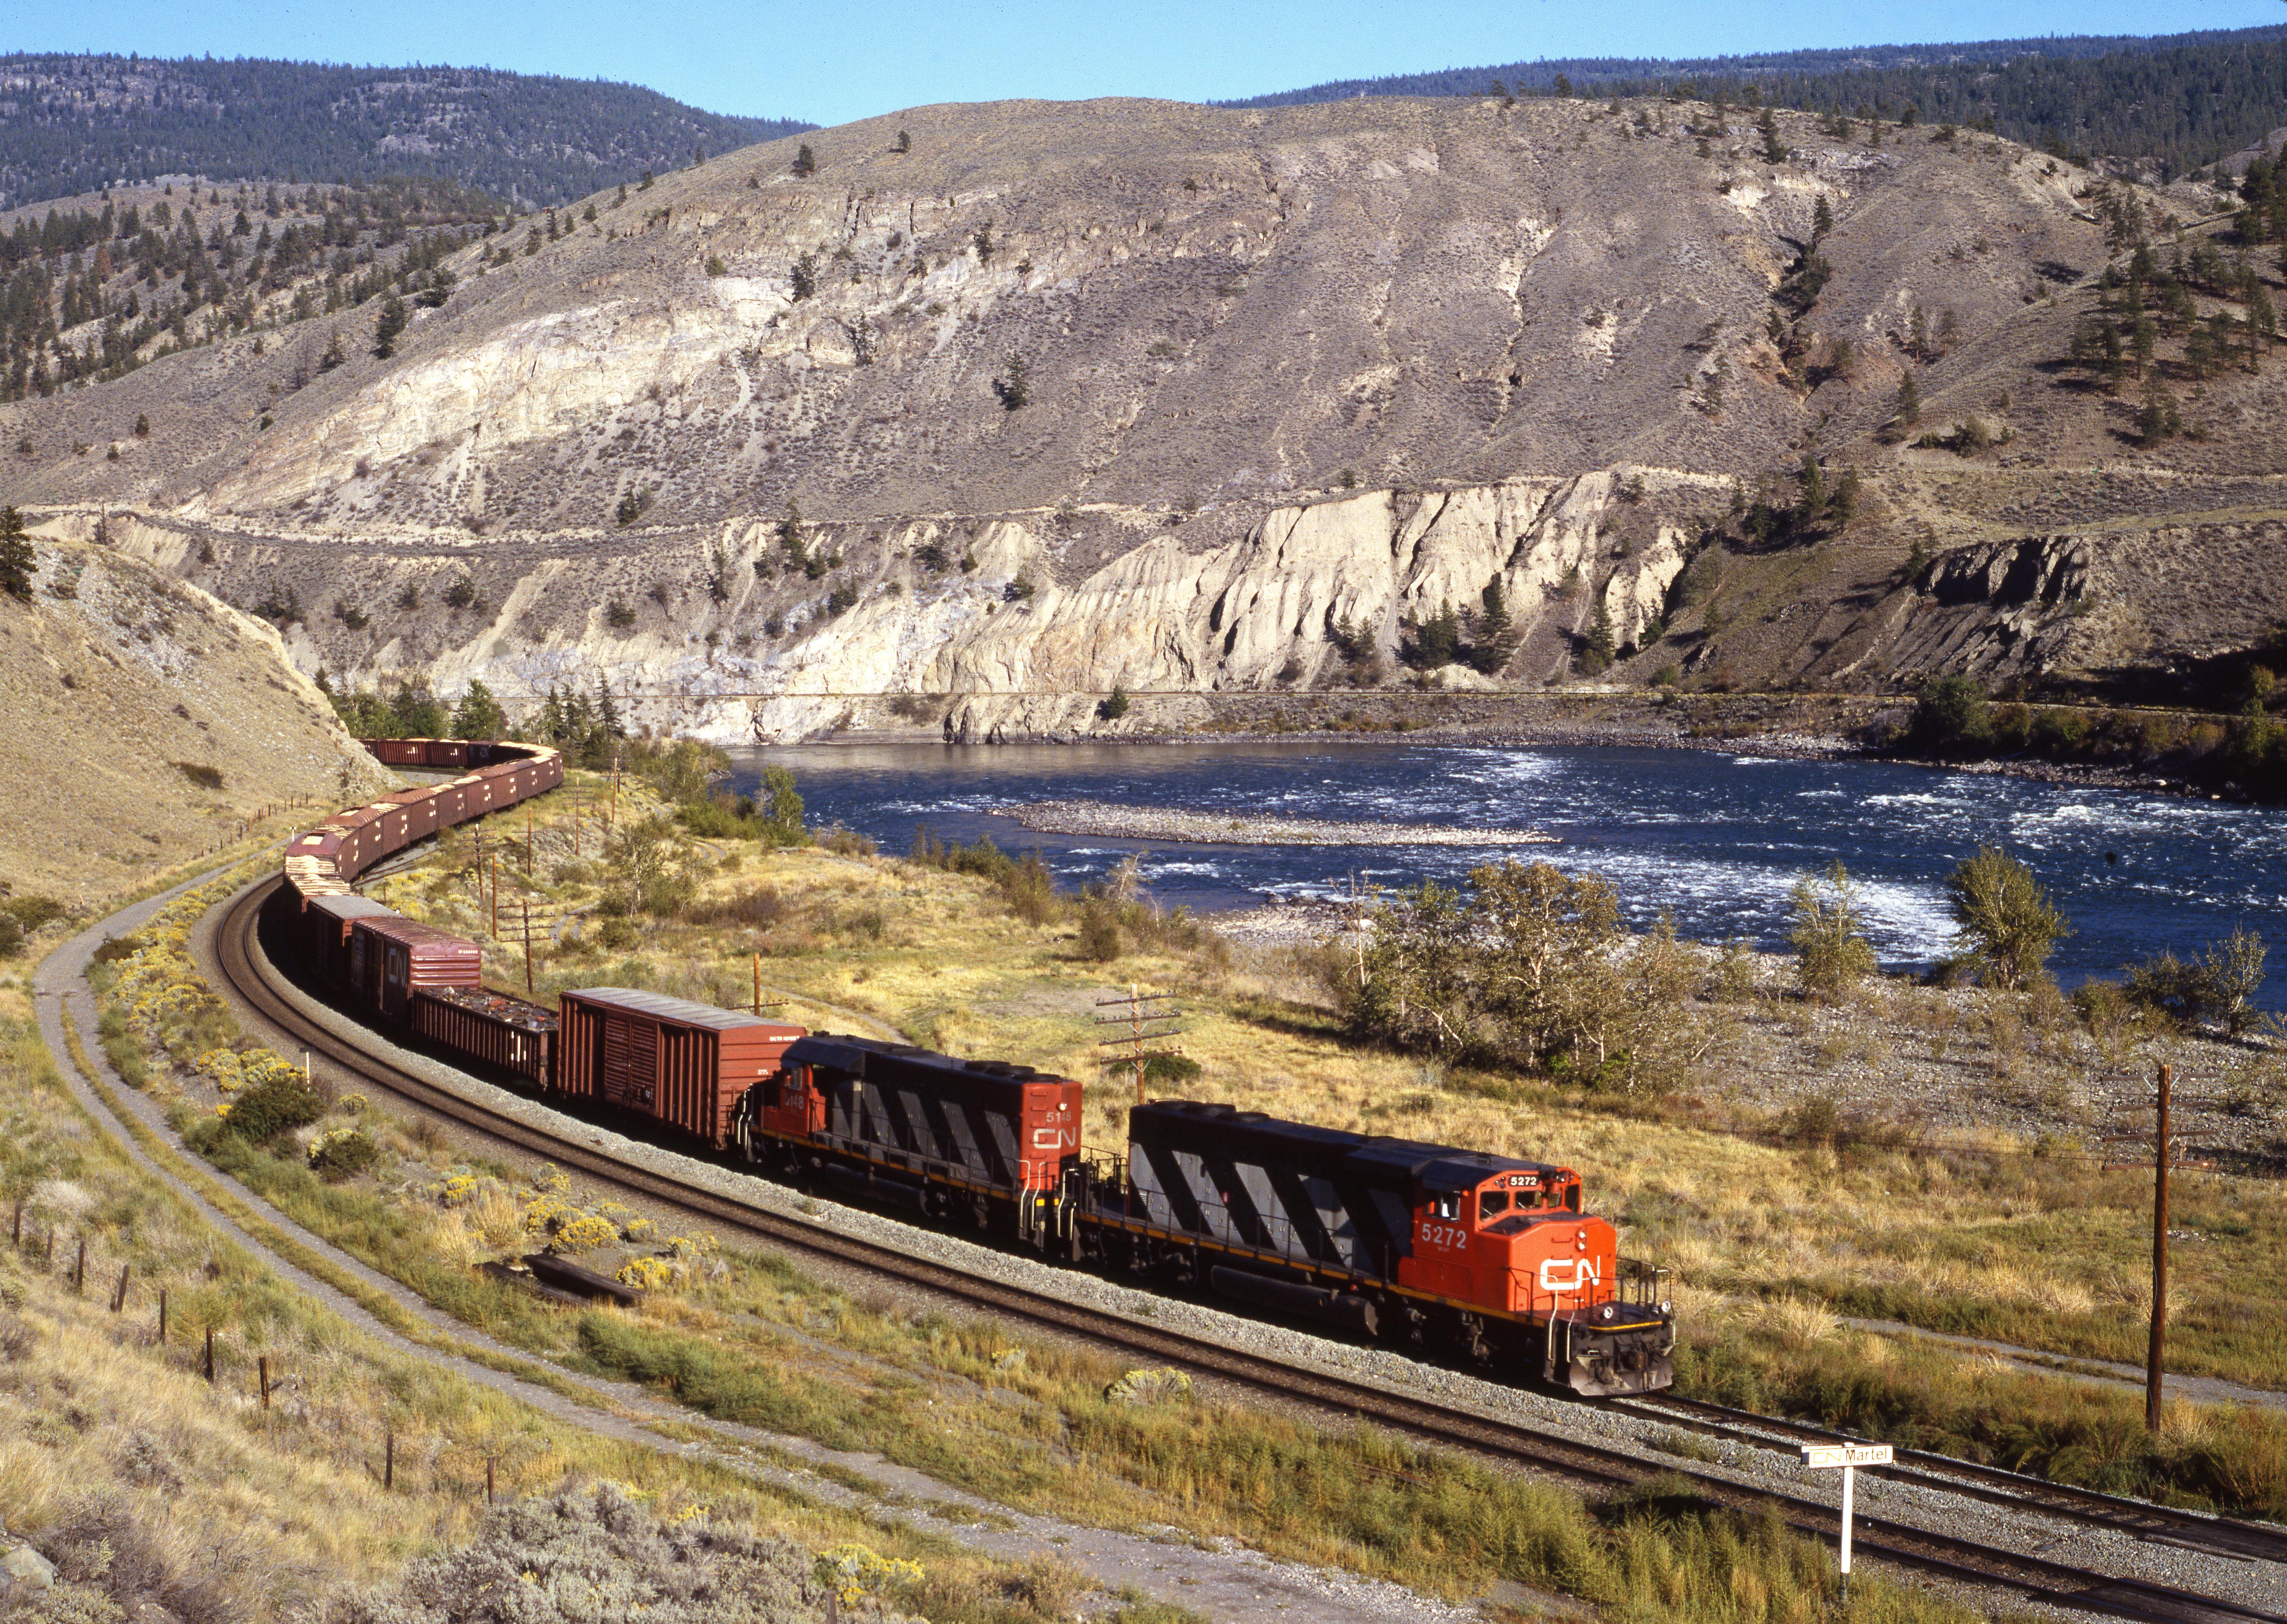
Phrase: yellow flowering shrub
(583, 1233)
(852, 1570)
(643, 1273)
(638, 1229)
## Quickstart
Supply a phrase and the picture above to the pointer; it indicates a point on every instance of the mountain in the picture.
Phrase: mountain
(990, 409)
(2175, 102)
(72, 124)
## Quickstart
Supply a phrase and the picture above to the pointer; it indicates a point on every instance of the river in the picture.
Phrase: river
(1716, 839)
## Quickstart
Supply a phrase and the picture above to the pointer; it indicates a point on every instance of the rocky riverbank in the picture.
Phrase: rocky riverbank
(1221, 830)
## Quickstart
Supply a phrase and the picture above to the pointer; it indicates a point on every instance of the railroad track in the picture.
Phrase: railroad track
(2221, 1536)
(1943, 1555)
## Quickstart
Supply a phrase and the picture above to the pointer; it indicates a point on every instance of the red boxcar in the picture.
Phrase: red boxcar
(683, 1063)
(508, 1032)
(445, 752)
(326, 923)
(396, 752)
(390, 958)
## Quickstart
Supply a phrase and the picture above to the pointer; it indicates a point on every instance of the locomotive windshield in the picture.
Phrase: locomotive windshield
(1492, 1203)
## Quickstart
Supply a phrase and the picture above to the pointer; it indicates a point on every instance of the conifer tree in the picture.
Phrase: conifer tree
(17, 559)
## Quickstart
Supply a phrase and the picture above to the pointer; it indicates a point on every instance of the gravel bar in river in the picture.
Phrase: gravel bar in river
(1241, 830)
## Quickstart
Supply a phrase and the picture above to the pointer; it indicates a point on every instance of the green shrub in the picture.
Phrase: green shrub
(342, 1154)
(2007, 923)
(1832, 953)
(2217, 985)
(1950, 716)
(278, 1105)
(1099, 930)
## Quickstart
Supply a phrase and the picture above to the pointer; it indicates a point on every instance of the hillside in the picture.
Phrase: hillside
(2173, 102)
(140, 720)
(72, 124)
(1067, 397)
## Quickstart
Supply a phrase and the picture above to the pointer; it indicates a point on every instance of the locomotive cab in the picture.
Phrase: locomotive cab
(1518, 1243)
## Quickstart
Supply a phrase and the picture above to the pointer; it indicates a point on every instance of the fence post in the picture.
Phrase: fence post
(16, 1230)
(163, 1316)
(388, 1459)
(119, 1297)
(262, 1365)
(210, 1356)
(488, 1480)
(79, 1270)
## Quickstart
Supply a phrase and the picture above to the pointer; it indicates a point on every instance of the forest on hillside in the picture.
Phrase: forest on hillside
(2174, 103)
(74, 124)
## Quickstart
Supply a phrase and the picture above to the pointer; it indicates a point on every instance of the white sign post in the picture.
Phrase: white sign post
(1850, 1457)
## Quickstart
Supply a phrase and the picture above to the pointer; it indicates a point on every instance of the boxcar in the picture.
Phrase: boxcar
(683, 1064)
(445, 752)
(986, 1122)
(501, 1031)
(391, 957)
(325, 932)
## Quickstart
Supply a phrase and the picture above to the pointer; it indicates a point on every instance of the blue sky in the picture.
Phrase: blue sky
(831, 62)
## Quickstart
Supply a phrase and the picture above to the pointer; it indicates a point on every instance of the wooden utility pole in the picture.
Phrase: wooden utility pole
(2155, 1355)
(1149, 1018)
(758, 983)
(497, 896)
(528, 946)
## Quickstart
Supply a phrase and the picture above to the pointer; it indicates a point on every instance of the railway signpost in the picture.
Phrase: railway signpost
(1849, 1458)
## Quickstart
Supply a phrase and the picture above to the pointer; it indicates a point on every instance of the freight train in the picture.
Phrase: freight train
(1491, 1258)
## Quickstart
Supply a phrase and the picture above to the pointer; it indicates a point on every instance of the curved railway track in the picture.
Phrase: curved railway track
(251, 975)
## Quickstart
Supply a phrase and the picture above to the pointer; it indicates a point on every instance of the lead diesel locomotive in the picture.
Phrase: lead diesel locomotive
(1489, 1257)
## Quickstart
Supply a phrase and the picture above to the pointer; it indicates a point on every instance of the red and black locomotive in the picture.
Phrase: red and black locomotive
(1487, 1256)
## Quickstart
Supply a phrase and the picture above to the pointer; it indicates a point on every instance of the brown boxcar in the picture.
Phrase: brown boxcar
(390, 958)
(685, 1064)
(445, 752)
(326, 923)
(986, 1122)
(508, 1032)
(396, 752)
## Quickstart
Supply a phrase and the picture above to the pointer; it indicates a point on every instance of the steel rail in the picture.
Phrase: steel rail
(2222, 1536)
(1941, 1555)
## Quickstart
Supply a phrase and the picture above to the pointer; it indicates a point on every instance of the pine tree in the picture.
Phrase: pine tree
(1496, 637)
(1907, 411)
(17, 559)
(390, 323)
(607, 713)
(552, 716)
(805, 162)
(479, 714)
(1596, 650)
(1822, 221)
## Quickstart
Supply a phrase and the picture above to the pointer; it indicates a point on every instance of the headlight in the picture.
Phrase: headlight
(1608, 1310)
(1667, 1308)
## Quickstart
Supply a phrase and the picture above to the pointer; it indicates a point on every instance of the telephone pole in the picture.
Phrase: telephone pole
(2154, 1355)
(1149, 1018)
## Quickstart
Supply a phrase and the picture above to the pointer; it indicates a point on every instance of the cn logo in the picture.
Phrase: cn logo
(1565, 1275)
(1054, 1138)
